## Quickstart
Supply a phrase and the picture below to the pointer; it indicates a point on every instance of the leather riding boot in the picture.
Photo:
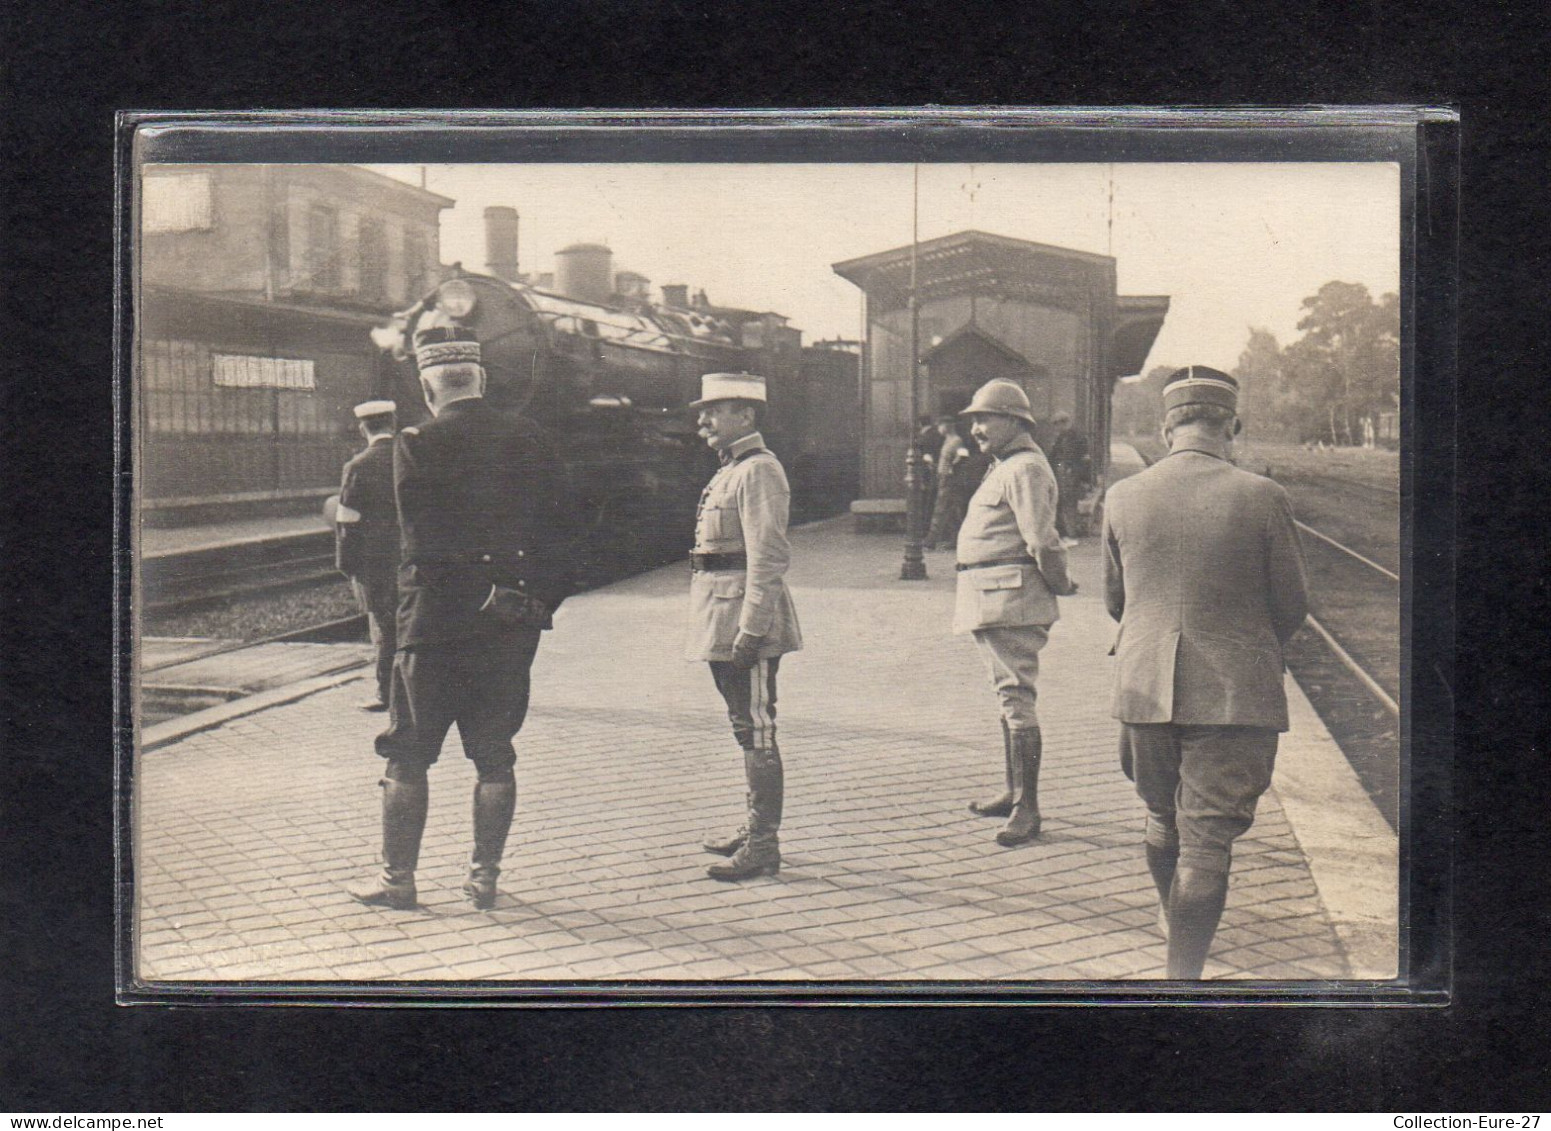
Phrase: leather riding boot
(1023, 825)
(1195, 907)
(404, 807)
(760, 854)
(999, 806)
(728, 844)
(494, 803)
(1161, 863)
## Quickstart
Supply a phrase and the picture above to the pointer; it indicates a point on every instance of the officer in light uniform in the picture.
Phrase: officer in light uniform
(742, 620)
(367, 537)
(1011, 569)
(1203, 570)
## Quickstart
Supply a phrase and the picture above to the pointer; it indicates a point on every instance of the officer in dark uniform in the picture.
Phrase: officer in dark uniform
(1073, 468)
(485, 514)
(367, 537)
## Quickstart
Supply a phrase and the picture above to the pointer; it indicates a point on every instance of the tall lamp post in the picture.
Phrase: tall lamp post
(914, 566)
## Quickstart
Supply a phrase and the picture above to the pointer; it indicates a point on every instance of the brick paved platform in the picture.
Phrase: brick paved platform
(249, 832)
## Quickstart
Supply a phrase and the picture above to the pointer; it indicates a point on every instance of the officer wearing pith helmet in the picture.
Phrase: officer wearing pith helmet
(1011, 569)
(742, 620)
(1203, 571)
(367, 536)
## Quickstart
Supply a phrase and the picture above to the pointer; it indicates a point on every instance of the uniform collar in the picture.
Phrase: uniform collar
(462, 404)
(1187, 447)
(1022, 443)
(379, 438)
(741, 447)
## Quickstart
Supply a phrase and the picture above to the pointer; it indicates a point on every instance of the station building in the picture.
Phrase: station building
(988, 306)
(258, 287)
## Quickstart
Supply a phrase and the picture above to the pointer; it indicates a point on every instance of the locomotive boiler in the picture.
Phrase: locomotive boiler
(609, 377)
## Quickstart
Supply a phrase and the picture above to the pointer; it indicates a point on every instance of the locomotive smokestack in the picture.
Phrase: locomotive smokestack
(501, 242)
(585, 271)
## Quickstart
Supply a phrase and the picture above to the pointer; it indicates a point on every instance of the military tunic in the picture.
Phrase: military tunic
(1011, 568)
(486, 513)
(743, 511)
(1203, 570)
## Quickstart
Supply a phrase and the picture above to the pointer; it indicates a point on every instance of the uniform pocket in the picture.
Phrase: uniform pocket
(997, 577)
(728, 587)
(721, 524)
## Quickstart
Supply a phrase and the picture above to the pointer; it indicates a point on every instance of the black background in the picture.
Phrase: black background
(67, 1047)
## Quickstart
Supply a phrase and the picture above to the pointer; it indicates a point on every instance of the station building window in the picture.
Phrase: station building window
(242, 371)
(372, 249)
(323, 248)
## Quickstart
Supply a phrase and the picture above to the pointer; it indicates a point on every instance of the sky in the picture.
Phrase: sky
(1234, 246)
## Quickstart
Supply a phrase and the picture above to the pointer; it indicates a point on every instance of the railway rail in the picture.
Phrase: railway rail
(207, 575)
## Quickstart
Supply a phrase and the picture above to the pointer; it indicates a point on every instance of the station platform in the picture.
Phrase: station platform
(251, 824)
(161, 542)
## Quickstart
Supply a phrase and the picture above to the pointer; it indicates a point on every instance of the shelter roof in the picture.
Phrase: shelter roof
(962, 261)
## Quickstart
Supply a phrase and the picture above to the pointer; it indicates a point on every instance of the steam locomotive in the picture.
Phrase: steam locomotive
(610, 376)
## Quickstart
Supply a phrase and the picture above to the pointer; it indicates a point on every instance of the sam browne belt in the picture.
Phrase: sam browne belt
(704, 563)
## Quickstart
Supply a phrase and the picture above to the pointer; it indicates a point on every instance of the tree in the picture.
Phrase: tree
(1348, 359)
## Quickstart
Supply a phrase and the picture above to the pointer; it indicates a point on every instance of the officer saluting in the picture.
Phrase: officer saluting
(367, 543)
(484, 509)
(742, 620)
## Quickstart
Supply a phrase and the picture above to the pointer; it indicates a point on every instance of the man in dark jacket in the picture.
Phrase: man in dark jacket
(367, 537)
(484, 511)
(1203, 570)
(1073, 468)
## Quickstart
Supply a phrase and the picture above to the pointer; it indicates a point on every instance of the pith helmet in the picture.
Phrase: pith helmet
(1003, 398)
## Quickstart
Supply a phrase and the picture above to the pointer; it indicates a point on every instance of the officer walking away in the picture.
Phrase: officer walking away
(1011, 569)
(484, 512)
(1073, 466)
(367, 537)
(1203, 570)
(742, 620)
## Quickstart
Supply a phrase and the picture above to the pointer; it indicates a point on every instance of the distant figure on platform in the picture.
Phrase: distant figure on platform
(928, 440)
(1203, 570)
(1073, 466)
(1012, 568)
(485, 510)
(948, 510)
(742, 620)
(367, 537)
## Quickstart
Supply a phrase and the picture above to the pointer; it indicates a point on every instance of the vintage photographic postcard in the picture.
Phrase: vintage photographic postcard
(788, 558)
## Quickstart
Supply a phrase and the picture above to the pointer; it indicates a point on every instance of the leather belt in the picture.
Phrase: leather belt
(1021, 559)
(704, 563)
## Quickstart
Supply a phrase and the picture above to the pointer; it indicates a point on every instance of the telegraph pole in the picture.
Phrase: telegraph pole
(914, 567)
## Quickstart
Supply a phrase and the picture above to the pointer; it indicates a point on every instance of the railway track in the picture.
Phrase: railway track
(209, 575)
(1347, 658)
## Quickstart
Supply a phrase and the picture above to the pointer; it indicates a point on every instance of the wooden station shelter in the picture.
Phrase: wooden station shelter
(990, 306)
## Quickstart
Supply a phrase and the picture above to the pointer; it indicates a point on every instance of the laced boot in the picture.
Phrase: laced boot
(403, 822)
(1023, 825)
(1195, 906)
(760, 854)
(494, 803)
(999, 806)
